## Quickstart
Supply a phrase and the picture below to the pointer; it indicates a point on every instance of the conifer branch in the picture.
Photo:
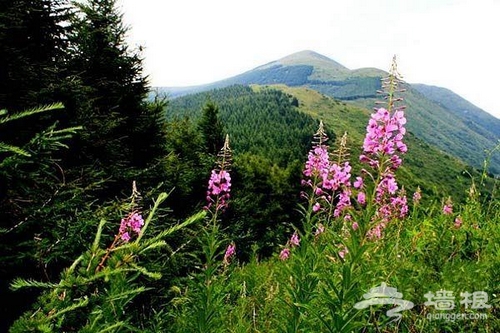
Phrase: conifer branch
(30, 112)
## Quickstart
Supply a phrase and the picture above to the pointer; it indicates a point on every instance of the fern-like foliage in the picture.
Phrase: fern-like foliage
(6, 148)
(6, 117)
(50, 139)
(29, 283)
(94, 292)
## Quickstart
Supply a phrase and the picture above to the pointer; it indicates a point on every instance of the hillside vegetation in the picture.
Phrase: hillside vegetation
(271, 123)
(474, 116)
(448, 131)
(263, 122)
(436, 118)
(283, 246)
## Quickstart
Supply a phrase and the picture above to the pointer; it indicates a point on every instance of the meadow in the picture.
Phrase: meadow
(368, 256)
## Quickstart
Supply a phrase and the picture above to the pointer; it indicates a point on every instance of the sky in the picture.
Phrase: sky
(447, 43)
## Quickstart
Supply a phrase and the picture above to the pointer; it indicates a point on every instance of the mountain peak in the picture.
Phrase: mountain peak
(308, 57)
(323, 67)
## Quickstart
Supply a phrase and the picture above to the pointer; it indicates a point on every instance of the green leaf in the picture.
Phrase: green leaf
(81, 303)
(97, 238)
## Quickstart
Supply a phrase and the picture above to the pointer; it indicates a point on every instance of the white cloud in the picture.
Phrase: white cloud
(447, 43)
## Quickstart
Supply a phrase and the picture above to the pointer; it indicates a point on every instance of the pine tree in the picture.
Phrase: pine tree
(79, 57)
(124, 134)
(31, 47)
(211, 128)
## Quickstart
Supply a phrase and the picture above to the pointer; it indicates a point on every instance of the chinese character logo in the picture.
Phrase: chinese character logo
(444, 300)
(385, 295)
(479, 300)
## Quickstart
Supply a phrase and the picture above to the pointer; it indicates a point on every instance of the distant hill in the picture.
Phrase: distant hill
(436, 115)
(471, 114)
(302, 68)
(257, 118)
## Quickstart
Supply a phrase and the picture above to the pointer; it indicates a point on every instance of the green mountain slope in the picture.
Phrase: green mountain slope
(278, 122)
(298, 69)
(264, 123)
(433, 116)
(475, 117)
(438, 126)
(425, 165)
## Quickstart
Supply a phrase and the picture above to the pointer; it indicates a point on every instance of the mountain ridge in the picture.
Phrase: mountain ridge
(431, 112)
(459, 105)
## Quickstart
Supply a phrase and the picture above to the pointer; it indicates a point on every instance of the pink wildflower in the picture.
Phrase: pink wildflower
(328, 181)
(361, 198)
(384, 133)
(358, 183)
(219, 186)
(417, 196)
(319, 230)
(387, 185)
(376, 232)
(355, 226)
(343, 252)
(343, 203)
(125, 237)
(136, 222)
(285, 254)
(384, 137)
(458, 222)
(382, 149)
(396, 161)
(447, 209)
(400, 206)
(384, 212)
(230, 252)
(318, 163)
(132, 223)
(295, 240)
(337, 176)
